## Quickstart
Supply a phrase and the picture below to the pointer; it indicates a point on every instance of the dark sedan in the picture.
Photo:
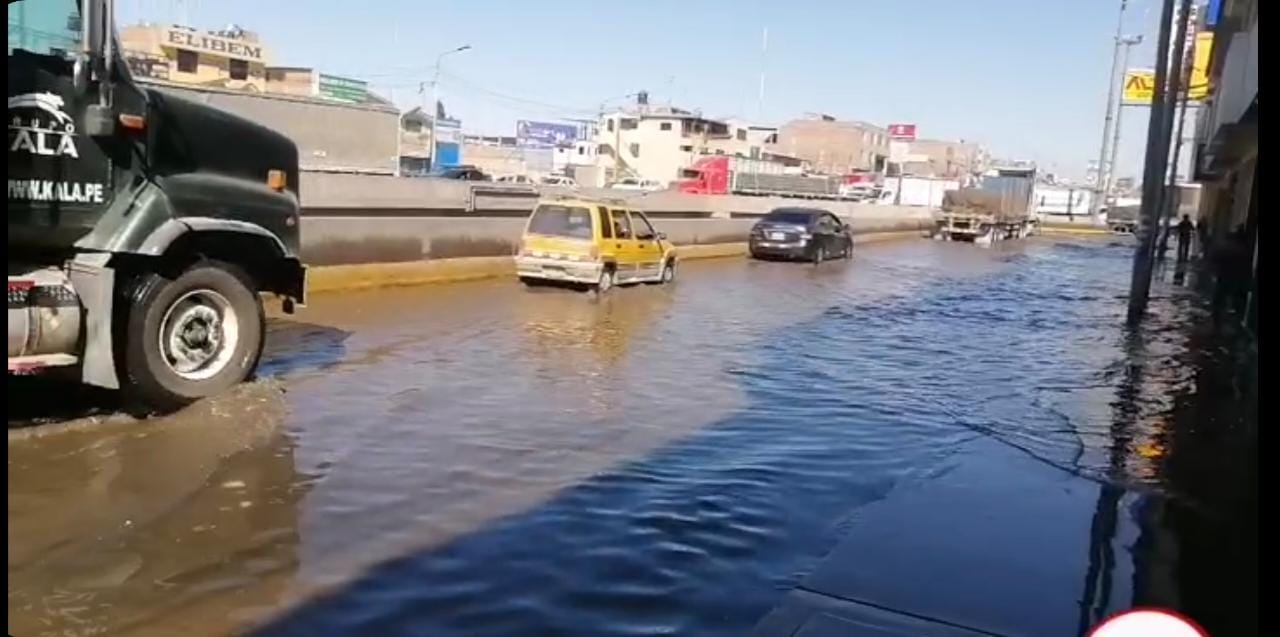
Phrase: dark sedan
(809, 234)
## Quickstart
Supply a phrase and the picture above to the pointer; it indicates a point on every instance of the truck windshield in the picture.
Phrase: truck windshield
(45, 27)
(561, 221)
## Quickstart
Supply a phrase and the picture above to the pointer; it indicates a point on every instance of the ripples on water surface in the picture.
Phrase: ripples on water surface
(704, 534)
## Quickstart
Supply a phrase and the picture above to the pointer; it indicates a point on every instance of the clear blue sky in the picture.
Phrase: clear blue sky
(1024, 77)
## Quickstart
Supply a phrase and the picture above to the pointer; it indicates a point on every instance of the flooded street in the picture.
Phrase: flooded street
(480, 459)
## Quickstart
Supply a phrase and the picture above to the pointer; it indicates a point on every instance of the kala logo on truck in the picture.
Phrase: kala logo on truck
(51, 137)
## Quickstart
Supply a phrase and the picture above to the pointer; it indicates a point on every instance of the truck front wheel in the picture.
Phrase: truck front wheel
(188, 337)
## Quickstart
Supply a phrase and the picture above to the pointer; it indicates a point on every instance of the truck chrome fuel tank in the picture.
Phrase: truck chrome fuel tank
(44, 313)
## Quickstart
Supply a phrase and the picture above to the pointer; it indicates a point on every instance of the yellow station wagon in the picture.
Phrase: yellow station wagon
(595, 243)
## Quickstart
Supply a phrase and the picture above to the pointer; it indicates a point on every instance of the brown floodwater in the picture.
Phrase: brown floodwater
(403, 421)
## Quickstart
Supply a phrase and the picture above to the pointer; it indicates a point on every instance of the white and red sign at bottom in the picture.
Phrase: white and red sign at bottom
(1148, 622)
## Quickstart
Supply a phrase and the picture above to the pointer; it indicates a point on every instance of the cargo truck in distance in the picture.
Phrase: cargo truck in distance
(724, 175)
(143, 228)
(1000, 208)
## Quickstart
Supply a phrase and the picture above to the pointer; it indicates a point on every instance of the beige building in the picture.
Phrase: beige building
(293, 80)
(233, 58)
(657, 142)
(834, 146)
(945, 159)
(744, 139)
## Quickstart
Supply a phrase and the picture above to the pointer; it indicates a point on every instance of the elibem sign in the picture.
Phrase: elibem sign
(213, 44)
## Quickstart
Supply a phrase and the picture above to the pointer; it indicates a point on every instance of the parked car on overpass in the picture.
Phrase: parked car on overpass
(630, 183)
(514, 179)
(461, 173)
(559, 180)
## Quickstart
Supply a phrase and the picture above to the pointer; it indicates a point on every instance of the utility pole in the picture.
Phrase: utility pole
(1182, 63)
(1157, 159)
(1129, 43)
(1107, 121)
(435, 100)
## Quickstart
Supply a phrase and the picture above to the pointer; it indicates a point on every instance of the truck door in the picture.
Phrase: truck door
(59, 178)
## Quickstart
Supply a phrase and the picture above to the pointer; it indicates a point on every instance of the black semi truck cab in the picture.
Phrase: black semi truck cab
(143, 229)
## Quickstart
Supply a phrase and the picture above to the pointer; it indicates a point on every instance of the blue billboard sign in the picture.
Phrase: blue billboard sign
(1214, 12)
(544, 134)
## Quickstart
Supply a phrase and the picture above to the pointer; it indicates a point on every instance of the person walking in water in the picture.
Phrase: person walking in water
(1185, 228)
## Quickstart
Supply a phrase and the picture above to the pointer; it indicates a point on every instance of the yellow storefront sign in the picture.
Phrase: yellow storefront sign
(1139, 84)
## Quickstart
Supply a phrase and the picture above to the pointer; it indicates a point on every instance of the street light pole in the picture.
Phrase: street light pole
(1107, 121)
(435, 81)
(1128, 43)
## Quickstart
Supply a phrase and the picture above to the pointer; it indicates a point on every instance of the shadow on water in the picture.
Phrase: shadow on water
(1197, 545)
(295, 347)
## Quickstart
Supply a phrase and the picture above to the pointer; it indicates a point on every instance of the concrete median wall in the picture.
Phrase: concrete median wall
(358, 239)
(354, 219)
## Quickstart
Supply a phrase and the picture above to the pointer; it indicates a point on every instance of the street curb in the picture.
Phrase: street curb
(365, 276)
(1079, 231)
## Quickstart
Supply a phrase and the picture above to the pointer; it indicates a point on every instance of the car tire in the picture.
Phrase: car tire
(669, 272)
(819, 254)
(188, 337)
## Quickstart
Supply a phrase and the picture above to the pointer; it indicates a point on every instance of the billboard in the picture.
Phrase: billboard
(1139, 84)
(544, 134)
(342, 89)
(904, 132)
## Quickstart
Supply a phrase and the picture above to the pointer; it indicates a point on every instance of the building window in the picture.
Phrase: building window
(188, 61)
(582, 150)
(687, 149)
(239, 70)
(635, 150)
(742, 134)
(610, 126)
(664, 126)
(628, 124)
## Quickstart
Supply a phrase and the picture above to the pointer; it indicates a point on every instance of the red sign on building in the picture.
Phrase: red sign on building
(904, 132)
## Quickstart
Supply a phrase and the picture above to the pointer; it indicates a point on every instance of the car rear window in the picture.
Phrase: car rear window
(789, 216)
(561, 221)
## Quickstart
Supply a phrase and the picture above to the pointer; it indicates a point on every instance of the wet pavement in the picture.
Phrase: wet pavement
(481, 459)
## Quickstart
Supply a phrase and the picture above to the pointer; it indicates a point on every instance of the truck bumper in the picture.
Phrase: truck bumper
(560, 270)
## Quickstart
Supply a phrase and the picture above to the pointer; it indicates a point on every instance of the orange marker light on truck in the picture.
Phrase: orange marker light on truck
(276, 180)
(133, 122)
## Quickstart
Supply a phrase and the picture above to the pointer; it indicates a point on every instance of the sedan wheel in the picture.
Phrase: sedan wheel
(819, 254)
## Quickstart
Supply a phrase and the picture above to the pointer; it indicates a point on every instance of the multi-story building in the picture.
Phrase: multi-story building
(945, 159)
(834, 146)
(233, 58)
(655, 142)
(744, 139)
(1226, 158)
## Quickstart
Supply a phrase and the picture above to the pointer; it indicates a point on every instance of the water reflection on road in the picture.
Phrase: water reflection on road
(563, 452)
